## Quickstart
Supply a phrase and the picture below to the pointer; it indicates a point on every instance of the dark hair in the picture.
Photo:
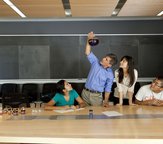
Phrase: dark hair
(60, 86)
(160, 78)
(113, 58)
(130, 61)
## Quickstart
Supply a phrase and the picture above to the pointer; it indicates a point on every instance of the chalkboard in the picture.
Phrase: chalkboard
(76, 26)
(55, 57)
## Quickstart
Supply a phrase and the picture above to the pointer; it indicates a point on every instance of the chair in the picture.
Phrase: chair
(111, 97)
(48, 91)
(136, 88)
(30, 90)
(11, 96)
(78, 87)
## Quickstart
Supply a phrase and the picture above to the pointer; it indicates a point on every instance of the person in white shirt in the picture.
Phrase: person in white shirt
(126, 77)
(151, 94)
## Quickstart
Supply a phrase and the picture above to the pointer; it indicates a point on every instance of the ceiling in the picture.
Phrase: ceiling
(81, 8)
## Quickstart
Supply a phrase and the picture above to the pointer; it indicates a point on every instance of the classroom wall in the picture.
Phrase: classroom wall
(27, 54)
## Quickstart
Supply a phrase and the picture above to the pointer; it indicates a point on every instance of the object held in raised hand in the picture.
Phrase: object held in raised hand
(93, 42)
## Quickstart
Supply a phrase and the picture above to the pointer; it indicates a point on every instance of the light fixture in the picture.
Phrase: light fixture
(161, 13)
(67, 8)
(8, 2)
(115, 12)
(118, 7)
(67, 12)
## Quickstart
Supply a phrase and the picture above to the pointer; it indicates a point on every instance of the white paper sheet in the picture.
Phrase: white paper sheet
(68, 110)
(112, 113)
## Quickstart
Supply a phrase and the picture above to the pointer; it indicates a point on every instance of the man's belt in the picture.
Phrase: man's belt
(92, 91)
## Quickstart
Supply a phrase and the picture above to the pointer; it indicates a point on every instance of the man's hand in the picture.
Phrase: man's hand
(105, 104)
(91, 35)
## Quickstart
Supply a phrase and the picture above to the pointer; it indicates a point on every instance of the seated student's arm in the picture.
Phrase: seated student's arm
(80, 102)
(146, 102)
(142, 99)
(157, 102)
(50, 106)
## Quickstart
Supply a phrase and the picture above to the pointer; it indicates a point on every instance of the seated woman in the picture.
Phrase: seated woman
(64, 98)
(126, 77)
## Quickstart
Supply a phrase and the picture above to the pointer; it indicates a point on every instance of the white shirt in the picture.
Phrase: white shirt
(124, 86)
(145, 93)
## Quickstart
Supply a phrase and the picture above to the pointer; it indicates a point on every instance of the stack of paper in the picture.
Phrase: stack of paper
(68, 110)
(112, 113)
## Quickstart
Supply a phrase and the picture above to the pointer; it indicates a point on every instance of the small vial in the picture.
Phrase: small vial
(9, 111)
(5, 111)
(15, 111)
(22, 110)
(90, 114)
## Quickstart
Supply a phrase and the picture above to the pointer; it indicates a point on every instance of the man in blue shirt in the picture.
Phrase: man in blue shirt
(100, 77)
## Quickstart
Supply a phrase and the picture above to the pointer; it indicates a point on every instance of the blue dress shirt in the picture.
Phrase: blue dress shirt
(99, 78)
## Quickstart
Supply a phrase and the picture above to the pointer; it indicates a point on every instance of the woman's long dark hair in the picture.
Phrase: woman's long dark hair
(60, 86)
(130, 61)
